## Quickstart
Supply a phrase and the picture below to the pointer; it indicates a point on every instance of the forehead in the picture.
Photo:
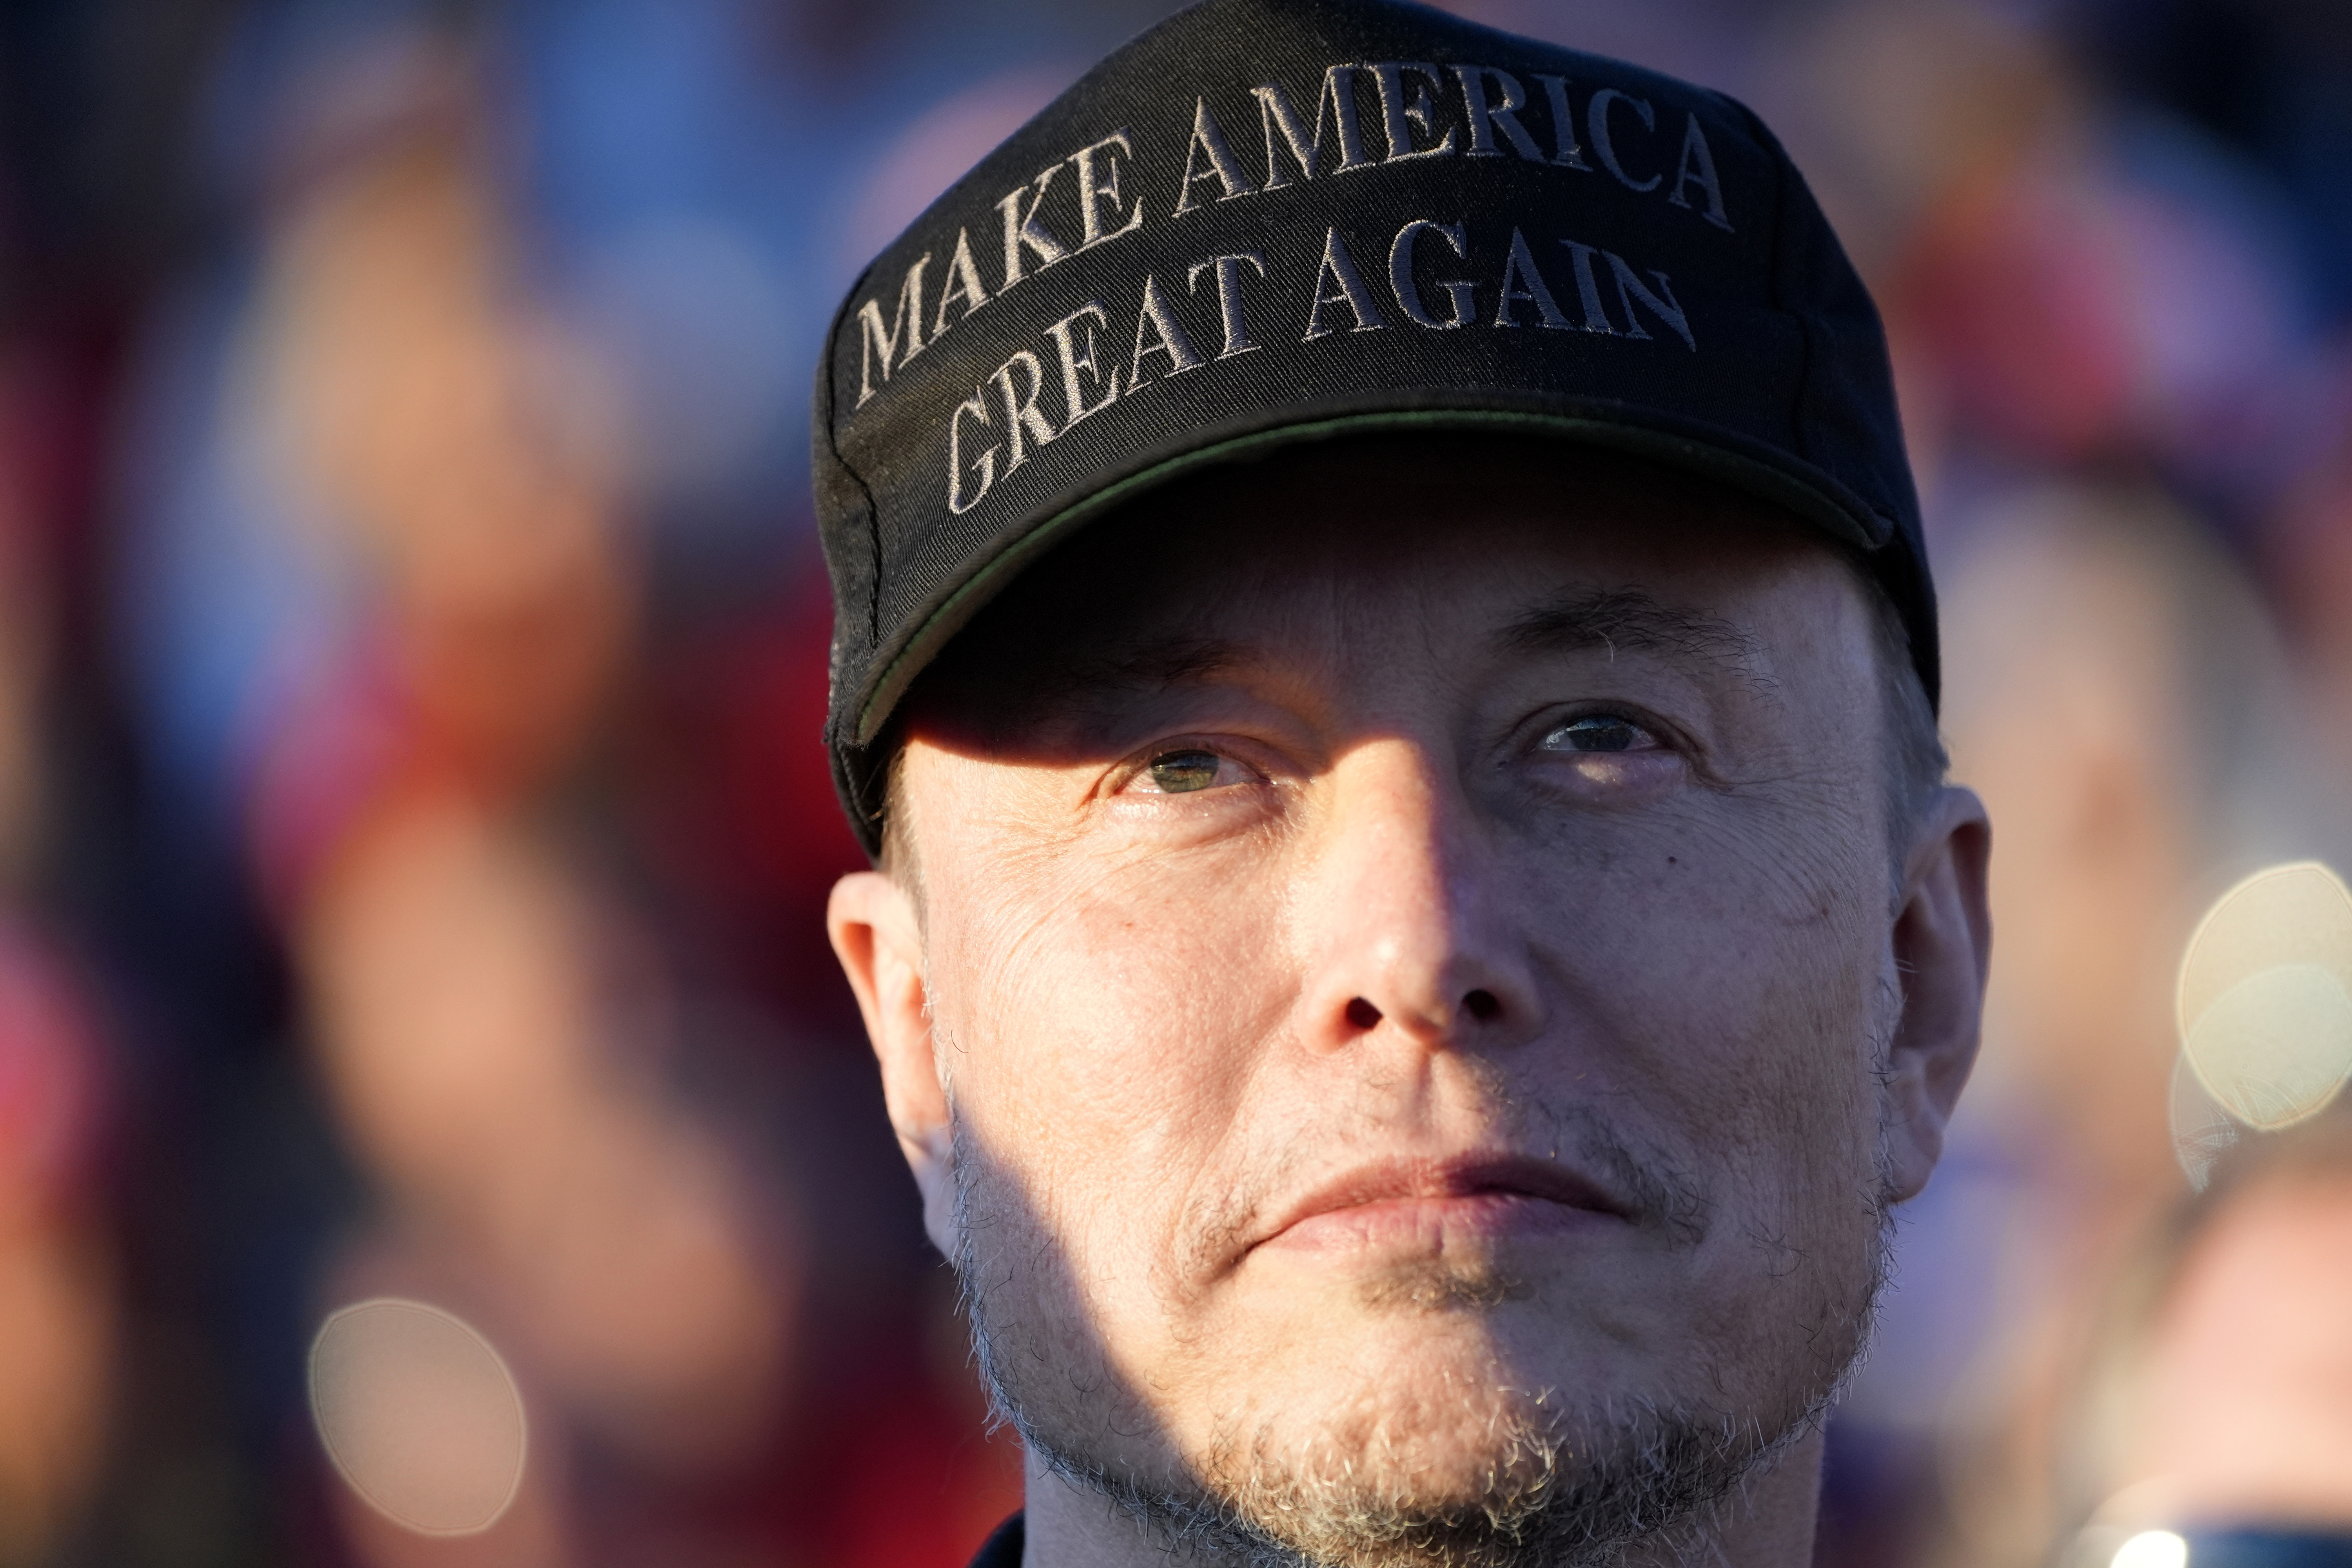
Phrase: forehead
(1362, 552)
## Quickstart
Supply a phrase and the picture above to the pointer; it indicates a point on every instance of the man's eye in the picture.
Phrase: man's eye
(1182, 773)
(1599, 733)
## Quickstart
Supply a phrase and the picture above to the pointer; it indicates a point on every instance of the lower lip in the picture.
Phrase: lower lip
(1431, 1223)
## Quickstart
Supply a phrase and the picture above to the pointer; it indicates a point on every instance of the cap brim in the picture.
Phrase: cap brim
(1707, 453)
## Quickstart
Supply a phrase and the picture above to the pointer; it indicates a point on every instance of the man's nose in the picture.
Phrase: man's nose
(1404, 913)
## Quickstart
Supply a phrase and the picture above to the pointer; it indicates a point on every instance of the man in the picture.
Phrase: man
(1384, 650)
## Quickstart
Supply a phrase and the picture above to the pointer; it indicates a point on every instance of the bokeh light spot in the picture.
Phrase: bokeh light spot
(2266, 1002)
(2276, 1046)
(419, 1413)
(2152, 1549)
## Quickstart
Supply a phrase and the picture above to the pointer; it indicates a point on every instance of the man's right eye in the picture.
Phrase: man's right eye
(1184, 771)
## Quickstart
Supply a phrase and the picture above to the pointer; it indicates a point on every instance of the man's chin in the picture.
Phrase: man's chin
(1440, 1468)
(1443, 1449)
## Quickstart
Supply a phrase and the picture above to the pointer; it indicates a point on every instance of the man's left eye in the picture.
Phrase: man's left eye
(1599, 732)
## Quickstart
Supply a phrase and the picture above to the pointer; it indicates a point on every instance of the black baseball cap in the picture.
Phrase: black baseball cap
(1266, 221)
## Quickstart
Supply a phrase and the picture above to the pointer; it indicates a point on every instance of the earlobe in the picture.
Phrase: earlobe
(879, 942)
(1943, 942)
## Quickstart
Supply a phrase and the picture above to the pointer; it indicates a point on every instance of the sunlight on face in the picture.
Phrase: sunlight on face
(1410, 997)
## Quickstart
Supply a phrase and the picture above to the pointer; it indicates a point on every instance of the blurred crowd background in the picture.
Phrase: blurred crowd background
(414, 830)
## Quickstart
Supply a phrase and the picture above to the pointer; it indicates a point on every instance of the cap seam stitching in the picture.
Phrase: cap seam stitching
(873, 508)
(1782, 263)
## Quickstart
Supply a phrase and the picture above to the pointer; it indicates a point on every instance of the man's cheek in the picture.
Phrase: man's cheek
(1137, 1020)
(1749, 1056)
(1748, 975)
(1168, 965)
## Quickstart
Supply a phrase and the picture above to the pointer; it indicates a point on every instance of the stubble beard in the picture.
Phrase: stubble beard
(1560, 1487)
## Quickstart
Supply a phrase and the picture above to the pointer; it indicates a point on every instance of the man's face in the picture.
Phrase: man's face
(1410, 948)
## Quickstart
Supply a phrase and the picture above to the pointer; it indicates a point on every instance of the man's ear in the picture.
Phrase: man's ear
(879, 942)
(1943, 942)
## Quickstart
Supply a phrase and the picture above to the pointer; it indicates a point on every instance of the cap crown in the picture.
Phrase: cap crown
(1267, 220)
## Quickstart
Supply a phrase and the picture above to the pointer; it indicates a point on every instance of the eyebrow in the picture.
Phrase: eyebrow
(1125, 668)
(1154, 665)
(1069, 683)
(1629, 618)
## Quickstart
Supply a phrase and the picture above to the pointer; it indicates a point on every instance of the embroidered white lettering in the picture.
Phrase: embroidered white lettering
(1022, 231)
(1404, 109)
(1348, 289)
(1662, 304)
(1408, 291)
(1588, 290)
(1082, 361)
(1282, 119)
(963, 283)
(905, 326)
(1228, 270)
(1697, 167)
(1209, 141)
(1488, 115)
(1160, 317)
(1596, 121)
(1522, 281)
(1563, 123)
(1097, 183)
(1022, 416)
(957, 501)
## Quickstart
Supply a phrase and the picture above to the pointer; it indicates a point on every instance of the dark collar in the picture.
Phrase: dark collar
(1003, 1548)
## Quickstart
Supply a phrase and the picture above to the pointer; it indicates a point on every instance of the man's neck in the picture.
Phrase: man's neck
(1766, 1523)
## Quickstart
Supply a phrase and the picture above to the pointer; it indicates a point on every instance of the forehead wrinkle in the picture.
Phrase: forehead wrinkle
(1616, 619)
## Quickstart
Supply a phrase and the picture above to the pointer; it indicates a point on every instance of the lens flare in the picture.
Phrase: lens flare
(2152, 1549)
(420, 1415)
(2265, 999)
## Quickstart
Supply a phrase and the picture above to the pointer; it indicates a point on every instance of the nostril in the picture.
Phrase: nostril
(1482, 1005)
(1362, 1014)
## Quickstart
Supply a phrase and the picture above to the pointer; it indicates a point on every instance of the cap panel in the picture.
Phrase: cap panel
(1848, 421)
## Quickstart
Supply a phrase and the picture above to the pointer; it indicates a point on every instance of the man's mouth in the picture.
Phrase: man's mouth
(1430, 1201)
